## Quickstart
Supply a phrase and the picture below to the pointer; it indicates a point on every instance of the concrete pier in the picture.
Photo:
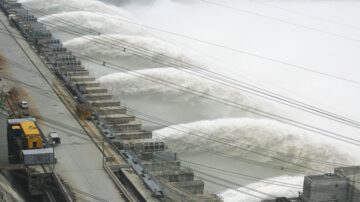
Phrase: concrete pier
(82, 78)
(142, 145)
(91, 90)
(105, 103)
(176, 175)
(134, 135)
(78, 73)
(126, 127)
(117, 118)
(112, 110)
(72, 69)
(88, 83)
(98, 96)
(156, 166)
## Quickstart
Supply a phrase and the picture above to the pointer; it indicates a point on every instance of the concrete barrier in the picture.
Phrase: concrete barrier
(134, 135)
(126, 127)
(117, 118)
(78, 73)
(98, 96)
(82, 78)
(91, 90)
(105, 103)
(112, 110)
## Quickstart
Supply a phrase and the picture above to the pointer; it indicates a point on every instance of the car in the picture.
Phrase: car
(54, 138)
(23, 104)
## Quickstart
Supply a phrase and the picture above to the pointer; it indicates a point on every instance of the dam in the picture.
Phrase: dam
(140, 168)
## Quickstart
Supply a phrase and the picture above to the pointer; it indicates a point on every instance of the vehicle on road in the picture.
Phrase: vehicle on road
(23, 104)
(54, 138)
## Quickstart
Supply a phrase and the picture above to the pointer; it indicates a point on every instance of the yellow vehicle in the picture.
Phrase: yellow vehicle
(32, 137)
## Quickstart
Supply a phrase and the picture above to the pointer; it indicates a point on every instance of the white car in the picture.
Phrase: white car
(54, 138)
(23, 104)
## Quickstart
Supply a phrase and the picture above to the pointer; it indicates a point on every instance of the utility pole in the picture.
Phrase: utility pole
(54, 159)
(103, 152)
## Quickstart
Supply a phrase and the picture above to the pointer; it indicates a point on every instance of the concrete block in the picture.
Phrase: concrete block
(117, 118)
(98, 96)
(105, 103)
(155, 166)
(78, 73)
(112, 110)
(141, 145)
(134, 135)
(82, 78)
(91, 90)
(176, 175)
(126, 127)
(72, 68)
(88, 83)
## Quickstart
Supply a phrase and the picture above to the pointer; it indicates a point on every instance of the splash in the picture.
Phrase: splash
(231, 195)
(151, 82)
(156, 50)
(94, 21)
(263, 136)
(53, 6)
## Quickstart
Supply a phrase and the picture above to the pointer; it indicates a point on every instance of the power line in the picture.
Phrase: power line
(229, 187)
(215, 77)
(227, 102)
(328, 115)
(243, 176)
(193, 133)
(67, 127)
(280, 20)
(225, 143)
(78, 134)
(235, 184)
(165, 123)
(99, 199)
(234, 146)
(93, 197)
(231, 83)
(250, 161)
(73, 129)
(336, 137)
(306, 15)
(230, 49)
(85, 193)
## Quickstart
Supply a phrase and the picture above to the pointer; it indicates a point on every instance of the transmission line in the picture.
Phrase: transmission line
(282, 100)
(306, 15)
(280, 20)
(333, 76)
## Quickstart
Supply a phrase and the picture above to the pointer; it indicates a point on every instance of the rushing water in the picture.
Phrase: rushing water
(326, 42)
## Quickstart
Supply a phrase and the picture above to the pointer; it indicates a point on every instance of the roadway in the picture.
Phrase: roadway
(79, 160)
